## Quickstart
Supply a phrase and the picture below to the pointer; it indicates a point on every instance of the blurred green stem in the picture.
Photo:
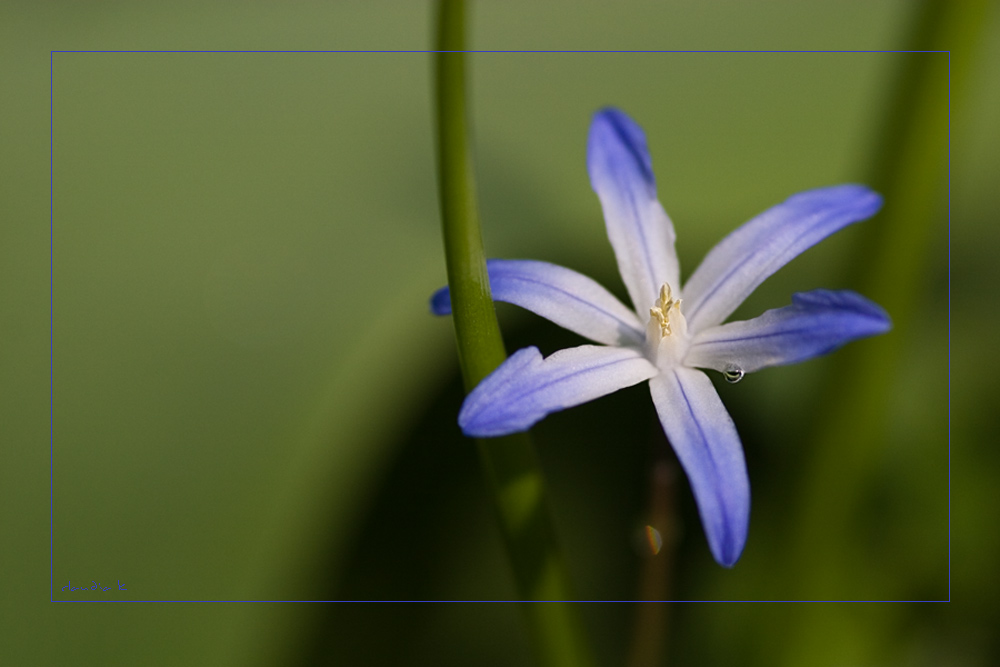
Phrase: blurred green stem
(509, 464)
(910, 164)
(910, 169)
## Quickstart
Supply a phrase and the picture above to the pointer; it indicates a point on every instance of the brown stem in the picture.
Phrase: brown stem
(649, 636)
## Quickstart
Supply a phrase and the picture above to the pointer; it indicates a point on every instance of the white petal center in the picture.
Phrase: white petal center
(666, 331)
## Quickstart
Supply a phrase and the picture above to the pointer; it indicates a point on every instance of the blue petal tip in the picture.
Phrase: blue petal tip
(440, 302)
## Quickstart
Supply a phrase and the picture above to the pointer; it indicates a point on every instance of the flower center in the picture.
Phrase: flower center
(665, 308)
(666, 332)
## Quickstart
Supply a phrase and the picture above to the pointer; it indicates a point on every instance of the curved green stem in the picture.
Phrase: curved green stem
(509, 464)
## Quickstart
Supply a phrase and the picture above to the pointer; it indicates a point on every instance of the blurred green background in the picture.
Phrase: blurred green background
(253, 403)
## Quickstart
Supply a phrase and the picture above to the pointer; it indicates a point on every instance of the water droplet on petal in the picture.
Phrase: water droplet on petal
(733, 374)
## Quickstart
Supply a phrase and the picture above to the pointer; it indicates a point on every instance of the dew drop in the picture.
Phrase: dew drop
(733, 374)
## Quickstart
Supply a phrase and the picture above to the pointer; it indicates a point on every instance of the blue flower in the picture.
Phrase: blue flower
(667, 338)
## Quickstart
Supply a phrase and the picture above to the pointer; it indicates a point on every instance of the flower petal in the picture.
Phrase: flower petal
(525, 388)
(816, 323)
(570, 299)
(745, 258)
(708, 447)
(641, 234)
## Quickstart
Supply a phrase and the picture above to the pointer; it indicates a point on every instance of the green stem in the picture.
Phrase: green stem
(509, 463)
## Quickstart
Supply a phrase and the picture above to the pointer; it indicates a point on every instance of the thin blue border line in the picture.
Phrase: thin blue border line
(51, 340)
(494, 51)
(949, 326)
(51, 302)
(518, 601)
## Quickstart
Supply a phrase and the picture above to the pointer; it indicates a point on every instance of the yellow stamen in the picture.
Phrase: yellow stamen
(661, 310)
